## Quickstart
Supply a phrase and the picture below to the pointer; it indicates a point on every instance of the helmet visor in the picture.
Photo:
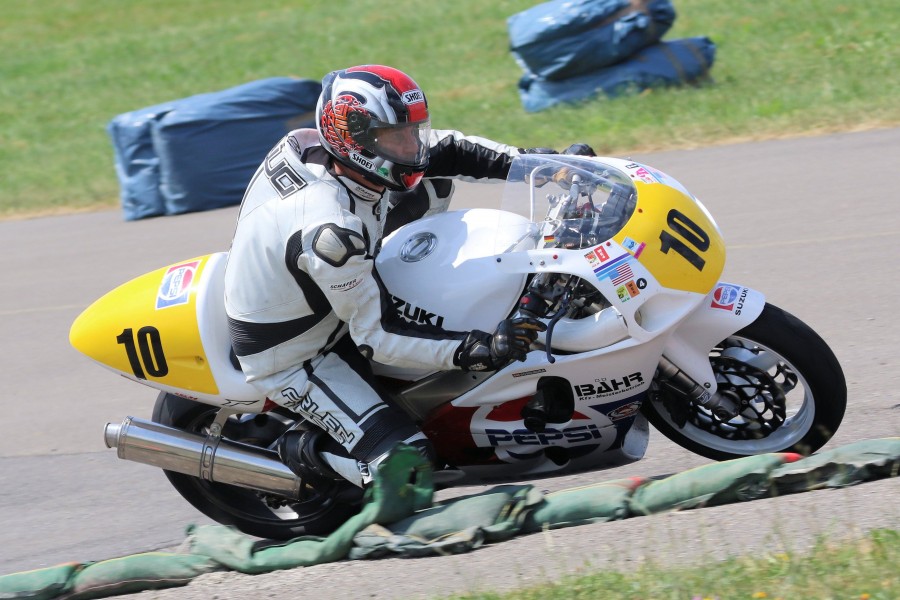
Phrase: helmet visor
(404, 143)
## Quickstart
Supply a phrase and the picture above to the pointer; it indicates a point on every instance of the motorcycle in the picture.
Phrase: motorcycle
(619, 260)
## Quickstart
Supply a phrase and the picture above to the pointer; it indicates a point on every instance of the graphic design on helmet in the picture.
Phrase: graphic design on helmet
(374, 120)
(335, 126)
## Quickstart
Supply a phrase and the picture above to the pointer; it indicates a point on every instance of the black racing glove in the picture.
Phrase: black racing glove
(580, 150)
(512, 339)
(538, 151)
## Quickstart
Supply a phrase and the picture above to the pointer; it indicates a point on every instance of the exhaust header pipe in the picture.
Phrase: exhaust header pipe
(209, 458)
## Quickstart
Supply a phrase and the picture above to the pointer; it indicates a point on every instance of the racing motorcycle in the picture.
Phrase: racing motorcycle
(619, 260)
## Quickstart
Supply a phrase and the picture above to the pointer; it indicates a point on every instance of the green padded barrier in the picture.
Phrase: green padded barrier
(399, 518)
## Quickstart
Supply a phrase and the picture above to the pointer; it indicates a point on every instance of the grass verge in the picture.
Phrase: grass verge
(864, 568)
(69, 66)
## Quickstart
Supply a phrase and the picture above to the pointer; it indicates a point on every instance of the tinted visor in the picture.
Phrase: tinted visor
(405, 143)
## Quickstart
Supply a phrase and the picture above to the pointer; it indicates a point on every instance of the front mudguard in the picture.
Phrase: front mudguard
(728, 308)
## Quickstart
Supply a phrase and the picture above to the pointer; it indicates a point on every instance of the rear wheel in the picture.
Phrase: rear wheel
(254, 513)
(785, 380)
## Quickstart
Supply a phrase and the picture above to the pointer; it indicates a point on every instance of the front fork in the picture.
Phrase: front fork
(671, 378)
(685, 369)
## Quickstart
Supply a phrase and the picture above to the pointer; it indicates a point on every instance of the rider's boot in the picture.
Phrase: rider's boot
(302, 452)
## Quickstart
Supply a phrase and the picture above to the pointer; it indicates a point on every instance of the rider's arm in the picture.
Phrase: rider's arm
(454, 154)
(335, 258)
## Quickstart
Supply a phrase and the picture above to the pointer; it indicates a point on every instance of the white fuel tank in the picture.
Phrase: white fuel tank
(443, 269)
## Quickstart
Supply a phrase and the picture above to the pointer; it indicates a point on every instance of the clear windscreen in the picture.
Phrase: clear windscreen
(562, 201)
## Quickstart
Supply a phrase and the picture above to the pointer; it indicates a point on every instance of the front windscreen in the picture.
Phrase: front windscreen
(567, 202)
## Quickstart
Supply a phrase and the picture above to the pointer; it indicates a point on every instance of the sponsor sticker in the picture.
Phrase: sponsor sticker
(634, 247)
(624, 411)
(529, 372)
(725, 296)
(641, 173)
(618, 270)
(609, 386)
(347, 285)
(570, 436)
(175, 287)
(628, 291)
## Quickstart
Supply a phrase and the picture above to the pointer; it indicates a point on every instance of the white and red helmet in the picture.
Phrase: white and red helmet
(374, 120)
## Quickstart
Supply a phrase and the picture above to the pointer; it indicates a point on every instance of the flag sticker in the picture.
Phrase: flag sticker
(618, 270)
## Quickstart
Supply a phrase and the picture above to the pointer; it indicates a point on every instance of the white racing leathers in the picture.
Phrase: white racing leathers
(306, 308)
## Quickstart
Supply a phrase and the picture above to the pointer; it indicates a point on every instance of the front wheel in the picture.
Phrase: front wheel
(783, 377)
(252, 512)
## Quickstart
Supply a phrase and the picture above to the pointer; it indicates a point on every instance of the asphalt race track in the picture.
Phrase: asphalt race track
(812, 222)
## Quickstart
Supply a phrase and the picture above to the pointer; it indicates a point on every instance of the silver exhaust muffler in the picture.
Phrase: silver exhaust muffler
(210, 458)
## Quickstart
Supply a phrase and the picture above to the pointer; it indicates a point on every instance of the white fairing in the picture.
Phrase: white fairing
(213, 325)
(688, 345)
(444, 270)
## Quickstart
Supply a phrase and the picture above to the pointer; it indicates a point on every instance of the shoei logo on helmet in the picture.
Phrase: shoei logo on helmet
(362, 161)
(413, 97)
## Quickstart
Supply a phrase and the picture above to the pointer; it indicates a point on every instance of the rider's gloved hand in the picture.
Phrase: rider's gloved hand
(538, 151)
(580, 150)
(511, 340)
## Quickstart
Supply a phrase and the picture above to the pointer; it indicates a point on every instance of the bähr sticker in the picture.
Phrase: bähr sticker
(176, 284)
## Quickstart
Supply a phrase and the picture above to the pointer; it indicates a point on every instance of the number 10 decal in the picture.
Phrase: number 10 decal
(151, 357)
(691, 233)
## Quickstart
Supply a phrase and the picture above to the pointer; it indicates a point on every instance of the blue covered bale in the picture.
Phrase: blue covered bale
(136, 161)
(676, 62)
(199, 153)
(566, 38)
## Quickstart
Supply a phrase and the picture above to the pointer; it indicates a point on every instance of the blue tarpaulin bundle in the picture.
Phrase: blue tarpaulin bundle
(199, 153)
(572, 50)
(566, 38)
(668, 63)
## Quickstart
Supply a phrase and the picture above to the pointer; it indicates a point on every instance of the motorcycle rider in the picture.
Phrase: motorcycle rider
(306, 307)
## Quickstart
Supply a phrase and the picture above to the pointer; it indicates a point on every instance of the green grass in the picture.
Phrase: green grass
(856, 569)
(69, 66)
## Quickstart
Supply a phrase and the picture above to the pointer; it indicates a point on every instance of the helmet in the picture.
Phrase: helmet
(374, 120)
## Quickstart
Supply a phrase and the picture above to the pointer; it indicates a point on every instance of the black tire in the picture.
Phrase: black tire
(246, 509)
(768, 364)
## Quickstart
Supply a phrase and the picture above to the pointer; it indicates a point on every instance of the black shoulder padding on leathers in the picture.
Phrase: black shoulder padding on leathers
(335, 245)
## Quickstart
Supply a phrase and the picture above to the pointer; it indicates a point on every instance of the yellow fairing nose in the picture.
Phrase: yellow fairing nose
(675, 238)
(147, 329)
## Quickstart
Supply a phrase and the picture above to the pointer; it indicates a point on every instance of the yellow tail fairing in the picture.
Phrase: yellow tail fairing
(674, 238)
(147, 329)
